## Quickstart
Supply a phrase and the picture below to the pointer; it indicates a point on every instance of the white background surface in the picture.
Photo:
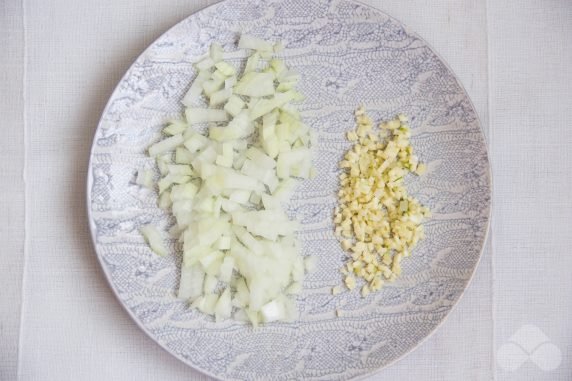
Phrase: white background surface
(61, 61)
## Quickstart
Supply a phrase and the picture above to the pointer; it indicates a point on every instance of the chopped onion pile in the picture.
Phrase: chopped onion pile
(376, 220)
(226, 189)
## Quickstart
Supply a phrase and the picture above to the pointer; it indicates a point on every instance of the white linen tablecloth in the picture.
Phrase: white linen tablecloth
(62, 59)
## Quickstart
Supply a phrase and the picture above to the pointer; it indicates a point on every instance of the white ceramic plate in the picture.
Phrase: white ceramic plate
(348, 54)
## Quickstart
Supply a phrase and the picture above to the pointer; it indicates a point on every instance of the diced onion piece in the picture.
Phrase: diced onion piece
(223, 243)
(206, 304)
(229, 206)
(192, 96)
(277, 66)
(210, 284)
(285, 189)
(234, 105)
(255, 198)
(171, 179)
(220, 97)
(219, 77)
(255, 43)
(191, 283)
(175, 127)
(254, 84)
(165, 200)
(162, 162)
(226, 269)
(242, 293)
(257, 293)
(181, 206)
(272, 311)
(260, 158)
(207, 156)
(175, 232)
(233, 180)
(240, 127)
(196, 142)
(183, 192)
(212, 85)
(265, 223)
(252, 63)
(165, 145)
(224, 161)
(183, 156)
(269, 120)
(225, 68)
(240, 314)
(214, 267)
(271, 146)
(227, 149)
(240, 196)
(199, 115)
(230, 82)
(205, 63)
(145, 178)
(270, 202)
(272, 183)
(253, 317)
(227, 156)
(212, 233)
(278, 47)
(250, 169)
(285, 86)
(294, 163)
(265, 106)
(223, 308)
(179, 169)
(248, 240)
(294, 289)
(153, 238)
(216, 52)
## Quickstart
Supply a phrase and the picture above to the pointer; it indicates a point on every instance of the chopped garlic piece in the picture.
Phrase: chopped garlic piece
(350, 282)
(336, 290)
(376, 220)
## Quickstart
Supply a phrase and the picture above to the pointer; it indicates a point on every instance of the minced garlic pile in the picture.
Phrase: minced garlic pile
(376, 220)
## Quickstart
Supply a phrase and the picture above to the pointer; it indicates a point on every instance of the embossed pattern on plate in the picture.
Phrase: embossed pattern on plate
(347, 54)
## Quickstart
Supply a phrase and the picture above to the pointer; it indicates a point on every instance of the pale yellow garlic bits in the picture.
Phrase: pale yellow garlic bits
(377, 222)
